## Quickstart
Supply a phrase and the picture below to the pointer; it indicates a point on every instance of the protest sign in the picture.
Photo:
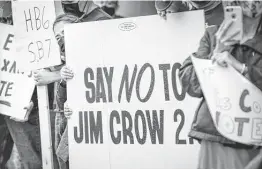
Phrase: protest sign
(36, 42)
(234, 102)
(34, 33)
(129, 109)
(14, 82)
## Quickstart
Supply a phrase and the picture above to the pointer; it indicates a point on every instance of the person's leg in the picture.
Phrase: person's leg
(14, 162)
(53, 131)
(6, 143)
(26, 136)
(34, 122)
(60, 127)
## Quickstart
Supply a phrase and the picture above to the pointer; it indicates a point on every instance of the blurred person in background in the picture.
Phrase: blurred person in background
(86, 10)
(61, 143)
(110, 7)
(214, 14)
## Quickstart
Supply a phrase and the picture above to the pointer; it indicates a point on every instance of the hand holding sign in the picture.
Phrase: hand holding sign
(66, 73)
(236, 111)
(222, 59)
(68, 112)
(45, 76)
(28, 109)
(225, 58)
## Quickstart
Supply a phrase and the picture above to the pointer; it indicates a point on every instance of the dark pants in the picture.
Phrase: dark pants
(6, 143)
(26, 136)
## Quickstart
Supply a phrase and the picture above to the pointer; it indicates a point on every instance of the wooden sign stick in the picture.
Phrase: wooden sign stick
(45, 127)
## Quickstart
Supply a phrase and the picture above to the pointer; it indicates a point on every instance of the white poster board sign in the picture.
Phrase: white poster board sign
(36, 42)
(16, 86)
(34, 33)
(129, 109)
(234, 102)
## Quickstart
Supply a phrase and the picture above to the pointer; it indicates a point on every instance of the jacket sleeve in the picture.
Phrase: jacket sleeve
(34, 98)
(187, 72)
(62, 149)
(255, 71)
(61, 96)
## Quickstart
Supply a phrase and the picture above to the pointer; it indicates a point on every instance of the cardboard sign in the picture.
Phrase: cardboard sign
(16, 86)
(234, 102)
(34, 33)
(130, 111)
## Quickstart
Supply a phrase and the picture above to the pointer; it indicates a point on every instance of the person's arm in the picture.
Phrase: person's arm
(46, 76)
(187, 72)
(254, 71)
(61, 96)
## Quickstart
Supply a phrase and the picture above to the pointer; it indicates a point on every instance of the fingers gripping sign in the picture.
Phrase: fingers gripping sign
(66, 73)
(41, 77)
(162, 14)
(67, 111)
(28, 108)
(222, 59)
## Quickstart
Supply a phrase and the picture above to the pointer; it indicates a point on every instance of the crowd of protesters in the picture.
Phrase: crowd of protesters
(216, 151)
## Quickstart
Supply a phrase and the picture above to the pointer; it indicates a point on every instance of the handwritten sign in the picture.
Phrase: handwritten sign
(14, 83)
(36, 42)
(234, 102)
(34, 33)
(130, 111)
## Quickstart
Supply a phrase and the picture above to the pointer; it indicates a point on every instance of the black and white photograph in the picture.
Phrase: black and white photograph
(128, 84)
